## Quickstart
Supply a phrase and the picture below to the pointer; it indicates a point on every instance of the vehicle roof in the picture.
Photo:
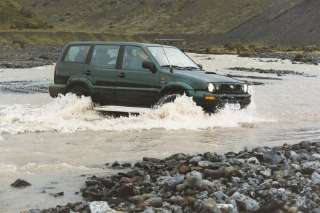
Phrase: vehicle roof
(118, 43)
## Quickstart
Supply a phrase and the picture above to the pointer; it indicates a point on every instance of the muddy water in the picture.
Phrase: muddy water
(52, 142)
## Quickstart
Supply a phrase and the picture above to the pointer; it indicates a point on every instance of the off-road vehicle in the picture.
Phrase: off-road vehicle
(141, 75)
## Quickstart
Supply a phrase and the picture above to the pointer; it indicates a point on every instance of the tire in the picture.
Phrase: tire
(78, 91)
(167, 98)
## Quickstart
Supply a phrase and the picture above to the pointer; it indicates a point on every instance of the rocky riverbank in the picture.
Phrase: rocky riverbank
(265, 179)
(26, 56)
(20, 55)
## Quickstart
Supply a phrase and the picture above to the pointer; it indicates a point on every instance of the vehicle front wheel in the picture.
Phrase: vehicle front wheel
(78, 91)
(168, 98)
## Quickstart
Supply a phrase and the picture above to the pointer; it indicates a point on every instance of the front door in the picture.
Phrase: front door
(103, 72)
(136, 85)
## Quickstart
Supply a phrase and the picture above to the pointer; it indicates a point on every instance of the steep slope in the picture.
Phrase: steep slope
(290, 24)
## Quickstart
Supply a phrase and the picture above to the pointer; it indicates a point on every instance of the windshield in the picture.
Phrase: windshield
(171, 56)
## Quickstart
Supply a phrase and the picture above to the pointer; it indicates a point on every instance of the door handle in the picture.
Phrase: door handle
(121, 75)
(88, 72)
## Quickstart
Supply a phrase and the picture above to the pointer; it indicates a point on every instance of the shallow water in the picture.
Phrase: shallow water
(51, 142)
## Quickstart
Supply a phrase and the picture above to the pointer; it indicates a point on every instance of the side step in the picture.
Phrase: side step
(122, 109)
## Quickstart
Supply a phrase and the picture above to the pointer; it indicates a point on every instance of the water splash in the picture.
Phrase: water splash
(70, 113)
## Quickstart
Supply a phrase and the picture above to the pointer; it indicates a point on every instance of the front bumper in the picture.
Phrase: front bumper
(211, 102)
(56, 89)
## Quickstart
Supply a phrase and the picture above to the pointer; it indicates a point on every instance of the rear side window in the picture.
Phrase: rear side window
(105, 56)
(77, 54)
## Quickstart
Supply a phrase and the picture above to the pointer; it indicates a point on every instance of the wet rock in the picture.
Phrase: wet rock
(184, 169)
(309, 167)
(115, 164)
(58, 194)
(171, 182)
(154, 202)
(20, 183)
(249, 203)
(253, 160)
(272, 157)
(194, 179)
(195, 159)
(209, 206)
(315, 177)
(100, 207)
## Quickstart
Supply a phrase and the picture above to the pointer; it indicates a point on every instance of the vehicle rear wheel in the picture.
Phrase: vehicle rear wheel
(78, 91)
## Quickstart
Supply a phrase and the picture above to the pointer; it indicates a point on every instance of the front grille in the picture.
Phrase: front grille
(230, 89)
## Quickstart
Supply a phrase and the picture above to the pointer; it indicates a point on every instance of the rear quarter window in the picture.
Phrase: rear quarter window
(77, 54)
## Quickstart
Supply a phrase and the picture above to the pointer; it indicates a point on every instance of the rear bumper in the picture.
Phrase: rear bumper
(56, 89)
(217, 101)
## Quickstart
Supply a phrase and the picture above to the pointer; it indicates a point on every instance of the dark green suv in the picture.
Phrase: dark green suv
(141, 75)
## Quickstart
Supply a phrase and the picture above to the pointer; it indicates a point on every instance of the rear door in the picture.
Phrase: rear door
(72, 63)
(136, 86)
(103, 72)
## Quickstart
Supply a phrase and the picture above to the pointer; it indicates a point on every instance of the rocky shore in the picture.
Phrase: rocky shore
(20, 55)
(26, 56)
(264, 179)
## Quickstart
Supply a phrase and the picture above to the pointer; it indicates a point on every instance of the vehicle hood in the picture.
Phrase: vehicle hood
(206, 76)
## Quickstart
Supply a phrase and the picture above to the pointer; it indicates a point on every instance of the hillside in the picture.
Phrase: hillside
(200, 22)
(140, 16)
(288, 24)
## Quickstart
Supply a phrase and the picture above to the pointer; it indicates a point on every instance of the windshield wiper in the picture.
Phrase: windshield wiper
(191, 68)
(174, 67)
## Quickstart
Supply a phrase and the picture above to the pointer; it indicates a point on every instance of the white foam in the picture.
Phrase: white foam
(70, 113)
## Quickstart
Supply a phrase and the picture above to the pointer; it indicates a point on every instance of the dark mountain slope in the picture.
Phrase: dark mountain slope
(283, 24)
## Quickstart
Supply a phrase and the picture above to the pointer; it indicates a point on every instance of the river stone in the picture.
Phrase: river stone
(272, 157)
(154, 202)
(195, 159)
(253, 160)
(149, 210)
(315, 177)
(249, 203)
(19, 183)
(100, 207)
(194, 179)
(227, 208)
(309, 167)
(171, 182)
(210, 205)
(294, 156)
(316, 156)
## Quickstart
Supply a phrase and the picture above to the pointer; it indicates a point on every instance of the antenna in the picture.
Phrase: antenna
(170, 66)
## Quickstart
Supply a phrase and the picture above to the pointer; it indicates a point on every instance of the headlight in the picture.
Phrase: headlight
(245, 88)
(211, 87)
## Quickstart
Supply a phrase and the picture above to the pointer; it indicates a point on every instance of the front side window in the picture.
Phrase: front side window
(171, 56)
(105, 56)
(134, 57)
(77, 54)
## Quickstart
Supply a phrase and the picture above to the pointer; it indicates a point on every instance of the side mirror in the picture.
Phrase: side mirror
(149, 65)
(200, 66)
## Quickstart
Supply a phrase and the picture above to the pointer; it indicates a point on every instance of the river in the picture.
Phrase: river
(55, 143)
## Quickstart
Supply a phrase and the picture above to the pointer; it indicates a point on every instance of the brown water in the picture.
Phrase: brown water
(52, 142)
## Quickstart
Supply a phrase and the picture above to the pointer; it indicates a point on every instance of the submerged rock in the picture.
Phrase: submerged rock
(20, 183)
